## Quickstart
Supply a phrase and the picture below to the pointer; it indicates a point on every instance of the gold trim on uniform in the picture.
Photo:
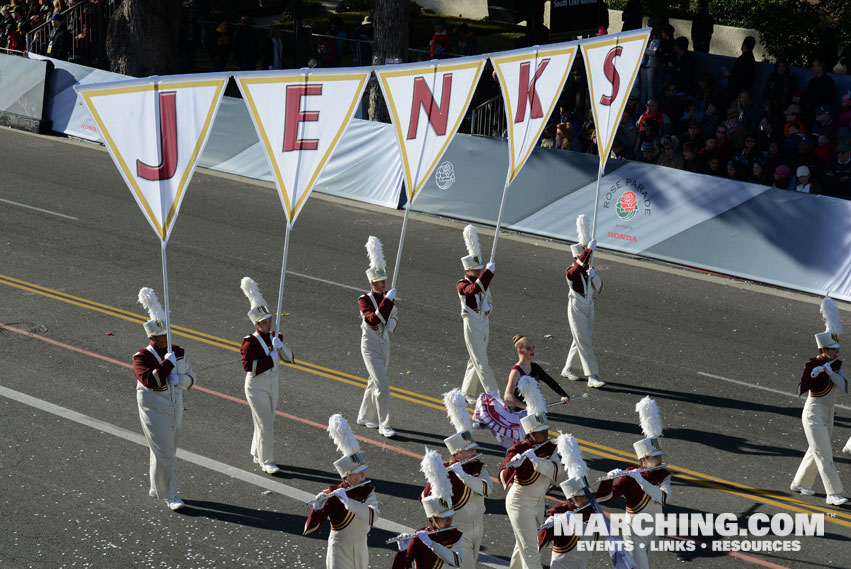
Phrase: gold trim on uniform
(465, 497)
(569, 547)
(822, 393)
(644, 501)
(346, 521)
(527, 481)
(310, 530)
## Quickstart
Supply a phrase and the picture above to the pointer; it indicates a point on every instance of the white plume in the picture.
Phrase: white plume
(535, 403)
(375, 251)
(342, 435)
(651, 419)
(148, 299)
(252, 291)
(471, 239)
(583, 229)
(435, 473)
(830, 313)
(571, 456)
(456, 408)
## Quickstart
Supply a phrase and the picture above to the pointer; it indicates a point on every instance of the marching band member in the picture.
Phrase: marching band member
(379, 319)
(566, 555)
(438, 543)
(476, 305)
(469, 477)
(823, 377)
(525, 366)
(260, 355)
(527, 473)
(644, 491)
(162, 377)
(350, 506)
(584, 285)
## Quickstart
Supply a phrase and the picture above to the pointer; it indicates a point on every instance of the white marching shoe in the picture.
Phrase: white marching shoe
(569, 374)
(386, 432)
(836, 500)
(271, 468)
(367, 423)
(805, 491)
(594, 381)
(175, 504)
(847, 448)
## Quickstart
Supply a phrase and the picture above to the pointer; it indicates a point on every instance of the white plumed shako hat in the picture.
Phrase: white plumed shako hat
(651, 426)
(473, 259)
(156, 325)
(536, 407)
(832, 326)
(259, 309)
(377, 270)
(574, 466)
(342, 435)
(456, 408)
(438, 504)
(583, 235)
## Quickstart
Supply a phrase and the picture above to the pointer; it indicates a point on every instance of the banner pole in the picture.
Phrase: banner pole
(165, 295)
(499, 217)
(401, 243)
(283, 275)
(596, 200)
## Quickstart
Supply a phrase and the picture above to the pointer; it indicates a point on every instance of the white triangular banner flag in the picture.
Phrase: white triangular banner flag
(155, 130)
(427, 102)
(612, 64)
(300, 116)
(531, 80)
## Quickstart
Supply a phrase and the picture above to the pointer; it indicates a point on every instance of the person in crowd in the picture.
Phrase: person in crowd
(694, 136)
(463, 40)
(767, 133)
(187, 38)
(649, 152)
(748, 112)
(220, 47)
(709, 92)
(806, 157)
(633, 106)
(648, 69)
(15, 44)
(820, 90)
(671, 157)
(806, 184)
(837, 174)
(691, 114)
(564, 135)
(741, 78)
(672, 107)
(825, 148)
(702, 27)
(780, 84)
(653, 113)
(735, 132)
(547, 139)
(59, 40)
(737, 170)
(363, 35)
(649, 133)
(750, 151)
(576, 94)
(620, 151)
(758, 173)
(845, 111)
(245, 45)
(627, 132)
(709, 120)
(632, 15)
(773, 157)
(793, 119)
(273, 53)
(338, 30)
(824, 123)
(692, 162)
(783, 178)
(440, 45)
(715, 167)
(722, 142)
(684, 66)
(665, 55)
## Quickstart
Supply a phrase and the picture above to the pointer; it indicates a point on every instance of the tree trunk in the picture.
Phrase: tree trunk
(142, 38)
(391, 21)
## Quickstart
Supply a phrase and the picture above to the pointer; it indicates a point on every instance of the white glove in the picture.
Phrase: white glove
(517, 460)
(530, 454)
(592, 273)
(491, 266)
(635, 475)
(485, 306)
(458, 470)
(828, 370)
(322, 497)
(403, 544)
(173, 379)
(171, 357)
(549, 521)
(277, 343)
(592, 244)
(340, 493)
(391, 294)
(425, 538)
(614, 474)
(816, 371)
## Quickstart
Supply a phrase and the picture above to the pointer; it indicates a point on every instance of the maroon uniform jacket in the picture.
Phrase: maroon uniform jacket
(578, 271)
(252, 352)
(820, 385)
(469, 288)
(525, 474)
(636, 498)
(562, 543)
(460, 491)
(335, 511)
(372, 317)
(419, 553)
(150, 372)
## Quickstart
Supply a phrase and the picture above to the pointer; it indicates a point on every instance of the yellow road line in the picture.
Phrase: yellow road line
(707, 480)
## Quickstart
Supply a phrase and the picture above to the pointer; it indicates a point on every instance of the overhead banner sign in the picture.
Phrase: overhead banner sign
(612, 63)
(300, 116)
(155, 129)
(531, 80)
(427, 102)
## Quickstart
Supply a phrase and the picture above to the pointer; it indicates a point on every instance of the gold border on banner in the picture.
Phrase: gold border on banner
(292, 209)
(88, 96)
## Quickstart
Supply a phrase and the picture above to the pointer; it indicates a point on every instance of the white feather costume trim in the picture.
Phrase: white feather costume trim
(148, 299)
(535, 403)
(375, 252)
(830, 314)
(252, 291)
(650, 418)
(583, 229)
(471, 240)
(342, 435)
(571, 456)
(436, 475)
(456, 409)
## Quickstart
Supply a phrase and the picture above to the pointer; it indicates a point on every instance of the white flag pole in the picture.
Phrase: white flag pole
(165, 294)
(596, 200)
(283, 275)
(401, 243)
(499, 216)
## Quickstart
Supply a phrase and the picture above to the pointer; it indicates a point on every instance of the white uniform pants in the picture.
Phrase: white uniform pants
(818, 427)
(262, 394)
(476, 336)
(161, 414)
(573, 559)
(375, 405)
(580, 315)
(525, 508)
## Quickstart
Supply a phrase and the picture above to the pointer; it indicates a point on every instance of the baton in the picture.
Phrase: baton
(329, 495)
(572, 399)
(404, 536)
(639, 470)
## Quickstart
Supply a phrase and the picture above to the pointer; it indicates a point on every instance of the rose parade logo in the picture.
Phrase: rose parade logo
(444, 176)
(627, 206)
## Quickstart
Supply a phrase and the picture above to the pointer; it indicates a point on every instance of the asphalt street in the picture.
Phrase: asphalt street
(721, 357)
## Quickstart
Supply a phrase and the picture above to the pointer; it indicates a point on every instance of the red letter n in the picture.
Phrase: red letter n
(293, 116)
(437, 115)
